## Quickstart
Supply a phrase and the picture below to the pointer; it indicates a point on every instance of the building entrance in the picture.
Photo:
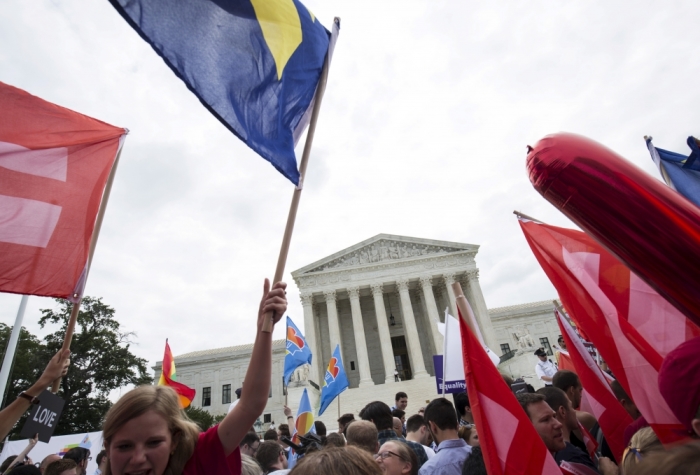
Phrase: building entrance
(401, 359)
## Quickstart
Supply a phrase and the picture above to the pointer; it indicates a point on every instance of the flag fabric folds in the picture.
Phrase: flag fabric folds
(168, 377)
(334, 382)
(298, 351)
(678, 171)
(254, 64)
(631, 325)
(509, 441)
(54, 164)
(303, 424)
(611, 416)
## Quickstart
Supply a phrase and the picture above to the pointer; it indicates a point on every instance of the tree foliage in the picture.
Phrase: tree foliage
(202, 417)
(101, 362)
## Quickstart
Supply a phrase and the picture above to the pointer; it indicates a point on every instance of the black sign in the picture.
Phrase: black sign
(43, 417)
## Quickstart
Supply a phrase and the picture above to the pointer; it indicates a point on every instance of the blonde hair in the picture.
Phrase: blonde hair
(339, 461)
(249, 466)
(643, 442)
(164, 401)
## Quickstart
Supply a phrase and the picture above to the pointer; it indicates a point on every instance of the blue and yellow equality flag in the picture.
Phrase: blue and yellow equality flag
(303, 424)
(254, 64)
(298, 351)
(680, 172)
(334, 382)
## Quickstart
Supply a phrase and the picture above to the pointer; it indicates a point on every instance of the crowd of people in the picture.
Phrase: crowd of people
(147, 433)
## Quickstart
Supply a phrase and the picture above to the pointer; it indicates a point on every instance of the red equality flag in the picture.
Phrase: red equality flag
(612, 417)
(54, 164)
(509, 441)
(622, 316)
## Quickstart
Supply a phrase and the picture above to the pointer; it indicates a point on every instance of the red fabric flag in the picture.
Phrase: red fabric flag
(629, 323)
(509, 441)
(54, 164)
(565, 361)
(168, 377)
(612, 417)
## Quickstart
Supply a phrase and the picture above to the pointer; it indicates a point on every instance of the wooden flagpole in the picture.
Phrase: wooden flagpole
(521, 215)
(291, 218)
(70, 329)
(464, 309)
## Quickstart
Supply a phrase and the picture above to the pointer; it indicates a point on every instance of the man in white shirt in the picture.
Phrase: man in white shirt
(545, 369)
(417, 431)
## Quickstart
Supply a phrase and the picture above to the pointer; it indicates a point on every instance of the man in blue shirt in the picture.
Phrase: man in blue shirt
(451, 450)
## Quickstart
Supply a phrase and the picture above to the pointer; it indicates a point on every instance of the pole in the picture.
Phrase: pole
(70, 329)
(521, 215)
(338, 406)
(466, 311)
(12, 346)
(296, 196)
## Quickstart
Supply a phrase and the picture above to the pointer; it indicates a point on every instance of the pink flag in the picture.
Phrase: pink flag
(612, 417)
(509, 441)
(54, 164)
(623, 317)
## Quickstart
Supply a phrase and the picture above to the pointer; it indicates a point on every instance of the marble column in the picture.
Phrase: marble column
(449, 280)
(411, 331)
(360, 340)
(307, 303)
(483, 319)
(333, 324)
(433, 315)
(384, 335)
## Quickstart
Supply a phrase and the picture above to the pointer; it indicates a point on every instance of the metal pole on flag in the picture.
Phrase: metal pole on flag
(444, 354)
(296, 196)
(70, 329)
(12, 347)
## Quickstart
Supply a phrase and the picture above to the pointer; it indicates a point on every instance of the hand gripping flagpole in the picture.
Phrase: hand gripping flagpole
(291, 218)
(75, 310)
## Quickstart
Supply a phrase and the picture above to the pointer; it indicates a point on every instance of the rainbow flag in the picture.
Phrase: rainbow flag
(168, 377)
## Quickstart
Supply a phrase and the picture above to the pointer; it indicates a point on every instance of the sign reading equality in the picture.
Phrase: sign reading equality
(43, 418)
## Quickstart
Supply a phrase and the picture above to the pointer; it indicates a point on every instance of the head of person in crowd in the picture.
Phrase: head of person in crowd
(401, 400)
(396, 458)
(624, 399)
(463, 408)
(157, 409)
(562, 407)
(250, 466)
(682, 459)
(643, 442)
(398, 426)
(400, 414)
(561, 342)
(81, 456)
(417, 430)
(378, 413)
(271, 434)
(6, 463)
(541, 354)
(238, 392)
(49, 459)
(344, 420)
(320, 428)
(283, 431)
(680, 386)
(469, 435)
(569, 382)
(337, 461)
(543, 418)
(475, 465)
(363, 434)
(334, 440)
(62, 467)
(421, 411)
(250, 443)
(442, 421)
(102, 461)
(271, 456)
(25, 469)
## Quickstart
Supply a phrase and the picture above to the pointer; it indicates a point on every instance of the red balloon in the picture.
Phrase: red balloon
(648, 226)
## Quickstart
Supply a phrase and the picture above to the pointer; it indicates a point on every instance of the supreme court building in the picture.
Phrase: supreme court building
(381, 301)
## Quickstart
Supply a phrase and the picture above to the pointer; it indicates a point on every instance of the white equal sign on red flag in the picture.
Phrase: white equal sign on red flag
(54, 165)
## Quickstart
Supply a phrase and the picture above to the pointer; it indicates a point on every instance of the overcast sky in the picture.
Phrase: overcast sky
(423, 132)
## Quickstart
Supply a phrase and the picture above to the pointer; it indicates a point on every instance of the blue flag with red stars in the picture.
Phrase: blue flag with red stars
(334, 382)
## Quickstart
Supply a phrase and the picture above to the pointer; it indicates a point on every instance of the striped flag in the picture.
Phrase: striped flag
(168, 377)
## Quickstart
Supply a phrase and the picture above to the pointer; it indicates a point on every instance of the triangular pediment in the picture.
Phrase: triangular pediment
(384, 248)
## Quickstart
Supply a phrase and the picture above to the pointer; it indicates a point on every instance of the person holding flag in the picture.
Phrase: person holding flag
(298, 352)
(168, 377)
(334, 382)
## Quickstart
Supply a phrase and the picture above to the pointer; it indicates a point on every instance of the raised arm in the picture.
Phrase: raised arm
(57, 367)
(259, 374)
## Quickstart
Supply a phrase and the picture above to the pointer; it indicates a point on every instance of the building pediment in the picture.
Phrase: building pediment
(382, 249)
